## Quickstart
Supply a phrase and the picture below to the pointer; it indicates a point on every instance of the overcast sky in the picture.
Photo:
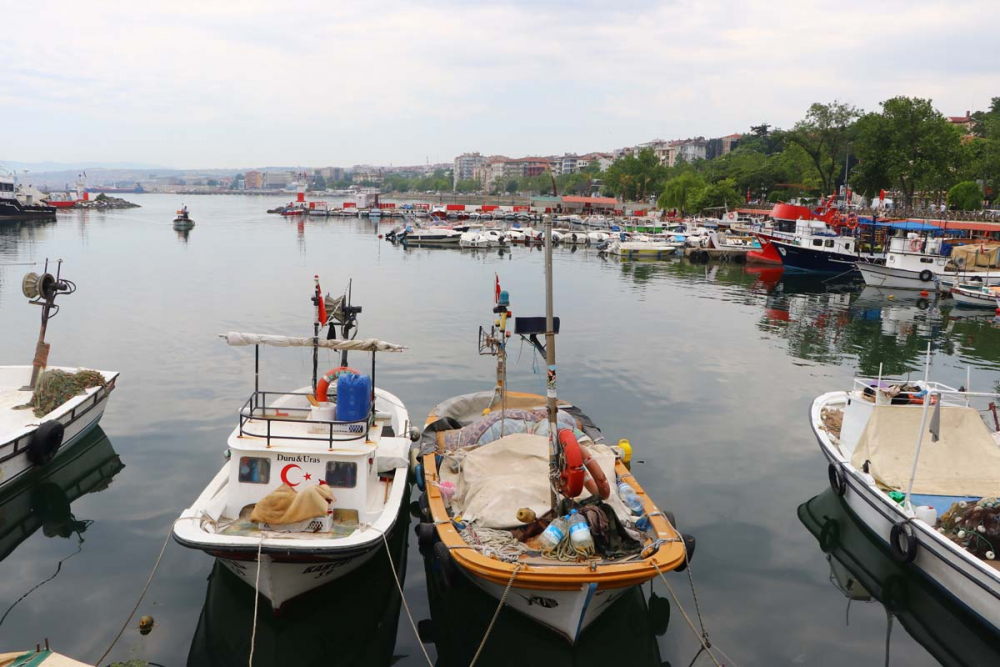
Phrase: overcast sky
(254, 83)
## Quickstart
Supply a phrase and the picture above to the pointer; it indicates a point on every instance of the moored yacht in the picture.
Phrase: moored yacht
(14, 207)
(314, 477)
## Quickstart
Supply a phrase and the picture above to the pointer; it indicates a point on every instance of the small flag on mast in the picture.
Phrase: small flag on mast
(320, 304)
(496, 292)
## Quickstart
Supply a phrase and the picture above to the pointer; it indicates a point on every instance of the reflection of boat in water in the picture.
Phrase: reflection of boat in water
(460, 616)
(863, 570)
(352, 621)
(43, 499)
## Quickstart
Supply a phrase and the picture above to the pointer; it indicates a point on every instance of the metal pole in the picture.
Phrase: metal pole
(550, 359)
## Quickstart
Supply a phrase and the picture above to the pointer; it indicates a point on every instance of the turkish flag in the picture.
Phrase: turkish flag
(496, 292)
(748, 195)
(881, 195)
(320, 305)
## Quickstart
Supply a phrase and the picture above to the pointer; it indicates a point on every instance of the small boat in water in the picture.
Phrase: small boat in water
(433, 235)
(500, 469)
(975, 295)
(183, 219)
(43, 411)
(39, 657)
(640, 249)
(482, 238)
(917, 464)
(314, 478)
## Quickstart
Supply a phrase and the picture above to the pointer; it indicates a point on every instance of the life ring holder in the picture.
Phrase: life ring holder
(323, 385)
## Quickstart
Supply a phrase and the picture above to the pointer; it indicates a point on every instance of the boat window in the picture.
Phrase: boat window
(847, 246)
(255, 470)
(829, 243)
(926, 260)
(342, 474)
(818, 242)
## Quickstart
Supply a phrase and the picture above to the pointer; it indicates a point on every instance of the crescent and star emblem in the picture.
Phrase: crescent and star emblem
(288, 468)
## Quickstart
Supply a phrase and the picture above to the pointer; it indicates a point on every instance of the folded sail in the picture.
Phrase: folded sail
(357, 345)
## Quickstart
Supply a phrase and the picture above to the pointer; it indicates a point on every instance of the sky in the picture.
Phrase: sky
(213, 84)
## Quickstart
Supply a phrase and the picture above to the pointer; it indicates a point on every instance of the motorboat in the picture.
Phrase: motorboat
(314, 478)
(524, 235)
(45, 410)
(499, 468)
(975, 295)
(482, 238)
(862, 571)
(640, 249)
(433, 235)
(15, 206)
(920, 262)
(917, 464)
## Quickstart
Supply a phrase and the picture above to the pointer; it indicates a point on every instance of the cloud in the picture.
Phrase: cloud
(223, 84)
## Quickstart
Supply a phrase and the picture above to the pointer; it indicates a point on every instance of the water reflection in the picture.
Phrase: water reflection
(351, 621)
(43, 499)
(460, 616)
(863, 571)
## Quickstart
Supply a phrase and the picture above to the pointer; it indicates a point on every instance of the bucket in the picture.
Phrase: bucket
(354, 396)
(324, 412)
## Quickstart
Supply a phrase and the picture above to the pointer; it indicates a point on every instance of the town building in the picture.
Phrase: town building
(254, 180)
(964, 123)
(275, 180)
(721, 146)
(465, 167)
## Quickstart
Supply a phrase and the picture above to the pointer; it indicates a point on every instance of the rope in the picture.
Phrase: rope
(256, 598)
(492, 543)
(399, 586)
(703, 637)
(141, 596)
(567, 553)
(503, 601)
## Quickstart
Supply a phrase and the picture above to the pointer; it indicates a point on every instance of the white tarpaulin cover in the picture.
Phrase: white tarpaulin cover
(964, 462)
(513, 472)
(358, 345)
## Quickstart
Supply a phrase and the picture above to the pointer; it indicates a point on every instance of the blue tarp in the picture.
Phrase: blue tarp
(905, 225)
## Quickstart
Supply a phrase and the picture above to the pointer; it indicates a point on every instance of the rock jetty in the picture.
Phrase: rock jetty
(103, 202)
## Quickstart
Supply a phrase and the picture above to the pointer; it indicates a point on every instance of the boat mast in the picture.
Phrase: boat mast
(550, 360)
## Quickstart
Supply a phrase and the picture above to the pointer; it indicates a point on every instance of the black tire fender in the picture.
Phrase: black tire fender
(829, 536)
(426, 536)
(689, 545)
(903, 542)
(926, 276)
(45, 442)
(449, 570)
(837, 481)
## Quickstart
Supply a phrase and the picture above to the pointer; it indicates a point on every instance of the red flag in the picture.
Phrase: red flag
(748, 194)
(881, 195)
(320, 304)
(496, 293)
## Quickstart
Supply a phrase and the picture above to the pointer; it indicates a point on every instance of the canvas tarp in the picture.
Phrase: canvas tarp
(964, 462)
(976, 255)
(513, 472)
(284, 505)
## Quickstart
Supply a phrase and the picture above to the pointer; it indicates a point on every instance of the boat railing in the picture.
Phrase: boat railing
(949, 396)
(256, 411)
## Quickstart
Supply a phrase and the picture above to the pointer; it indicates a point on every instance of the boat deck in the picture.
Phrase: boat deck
(12, 420)
(345, 522)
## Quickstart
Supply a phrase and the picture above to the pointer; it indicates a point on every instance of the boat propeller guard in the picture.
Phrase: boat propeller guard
(330, 376)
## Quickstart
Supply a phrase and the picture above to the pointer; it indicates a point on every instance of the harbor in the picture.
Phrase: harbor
(640, 349)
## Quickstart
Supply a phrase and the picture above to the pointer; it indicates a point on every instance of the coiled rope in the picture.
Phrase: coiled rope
(492, 543)
(568, 553)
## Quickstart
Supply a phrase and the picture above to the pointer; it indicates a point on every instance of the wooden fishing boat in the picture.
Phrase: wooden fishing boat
(313, 480)
(40, 657)
(44, 411)
(975, 295)
(908, 492)
(484, 455)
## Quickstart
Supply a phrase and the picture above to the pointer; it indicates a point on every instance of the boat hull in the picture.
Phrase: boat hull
(885, 277)
(282, 580)
(950, 568)
(806, 259)
(972, 299)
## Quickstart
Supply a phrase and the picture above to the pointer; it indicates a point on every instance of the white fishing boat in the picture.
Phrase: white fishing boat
(918, 465)
(500, 469)
(975, 295)
(45, 410)
(313, 479)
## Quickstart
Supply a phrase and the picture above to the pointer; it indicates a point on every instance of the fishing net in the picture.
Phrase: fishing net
(55, 387)
(974, 526)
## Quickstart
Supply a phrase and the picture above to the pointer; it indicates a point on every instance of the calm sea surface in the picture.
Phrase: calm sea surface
(707, 370)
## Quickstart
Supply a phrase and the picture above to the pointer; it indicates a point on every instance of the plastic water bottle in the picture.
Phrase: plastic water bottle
(579, 532)
(630, 498)
(554, 534)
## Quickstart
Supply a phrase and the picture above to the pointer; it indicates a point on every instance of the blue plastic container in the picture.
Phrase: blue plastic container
(354, 397)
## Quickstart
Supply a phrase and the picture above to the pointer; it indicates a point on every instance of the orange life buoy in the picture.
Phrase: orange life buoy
(915, 245)
(324, 382)
(596, 482)
(852, 221)
(571, 476)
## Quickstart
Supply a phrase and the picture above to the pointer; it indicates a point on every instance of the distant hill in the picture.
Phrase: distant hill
(74, 166)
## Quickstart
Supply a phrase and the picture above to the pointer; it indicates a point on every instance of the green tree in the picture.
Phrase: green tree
(717, 195)
(467, 185)
(909, 145)
(823, 135)
(681, 192)
(966, 196)
(593, 167)
(236, 179)
(511, 186)
(634, 177)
